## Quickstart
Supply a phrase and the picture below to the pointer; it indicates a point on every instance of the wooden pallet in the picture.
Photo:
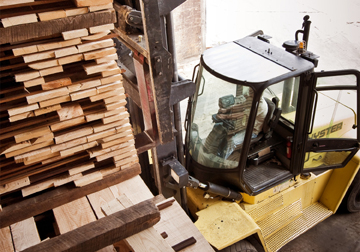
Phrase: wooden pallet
(174, 231)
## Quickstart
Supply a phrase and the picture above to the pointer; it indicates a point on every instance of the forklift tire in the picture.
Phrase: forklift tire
(352, 198)
(240, 246)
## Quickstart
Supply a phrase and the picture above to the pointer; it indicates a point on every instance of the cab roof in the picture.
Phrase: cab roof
(250, 60)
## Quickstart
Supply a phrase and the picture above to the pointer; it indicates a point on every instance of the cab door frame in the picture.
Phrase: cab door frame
(335, 145)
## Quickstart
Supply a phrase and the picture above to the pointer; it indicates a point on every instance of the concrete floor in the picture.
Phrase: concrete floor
(334, 36)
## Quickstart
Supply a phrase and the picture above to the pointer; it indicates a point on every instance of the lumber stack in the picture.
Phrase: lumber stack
(62, 105)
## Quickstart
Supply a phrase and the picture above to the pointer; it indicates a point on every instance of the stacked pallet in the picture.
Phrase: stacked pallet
(63, 115)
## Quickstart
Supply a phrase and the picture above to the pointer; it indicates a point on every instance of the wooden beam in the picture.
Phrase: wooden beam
(47, 28)
(105, 231)
(95, 45)
(76, 11)
(50, 15)
(59, 196)
(100, 7)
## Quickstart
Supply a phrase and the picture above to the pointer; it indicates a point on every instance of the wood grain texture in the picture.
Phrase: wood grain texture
(57, 26)
(82, 3)
(24, 234)
(18, 20)
(105, 231)
(73, 215)
(6, 240)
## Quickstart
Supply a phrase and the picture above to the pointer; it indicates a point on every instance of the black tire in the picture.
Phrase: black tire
(240, 246)
(351, 201)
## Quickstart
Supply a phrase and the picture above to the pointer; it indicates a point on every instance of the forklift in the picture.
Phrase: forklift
(270, 144)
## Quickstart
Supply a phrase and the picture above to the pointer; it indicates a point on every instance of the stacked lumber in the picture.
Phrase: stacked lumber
(62, 106)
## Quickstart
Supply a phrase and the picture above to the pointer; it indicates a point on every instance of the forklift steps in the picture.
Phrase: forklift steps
(289, 222)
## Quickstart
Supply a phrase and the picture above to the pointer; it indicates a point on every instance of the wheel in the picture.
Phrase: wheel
(240, 246)
(351, 201)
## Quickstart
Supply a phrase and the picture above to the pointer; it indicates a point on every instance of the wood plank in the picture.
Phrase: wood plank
(38, 187)
(34, 82)
(99, 151)
(107, 58)
(58, 100)
(146, 240)
(18, 20)
(66, 51)
(12, 186)
(59, 44)
(127, 161)
(29, 134)
(21, 116)
(12, 2)
(61, 195)
(101, 134)
(96, 36)
(66, 179)
(110, 86)
(43, 96)
(124, 156)
(105, 95)
(83, 94)
(99, 53)
(97, 68)
(68, 144)
(6, 240)
(70, 59)
(116, 150)
(101, 28)
(51, 70)
(75, 34)
(100, 198)
(25, 50)
(68, 123)
(84, 85)
(73, 150)
(110, 79)
(100, 7)
(81, 168)
(84, 131)
(57, 26)
(83, 3)
(44, 64)
(44, 138)
(101, 127)
(88, 179)
(27, 76)
(110, 72)
(94, 236)
(25, 234)
(29, 148)
(95, 45)
(50, 15)
(62, 82)
(47, 110)
(69, 111)
(31, 155)
(22, 109)
(73, 215)
(76, 11)
(14, 146)
(38, 56)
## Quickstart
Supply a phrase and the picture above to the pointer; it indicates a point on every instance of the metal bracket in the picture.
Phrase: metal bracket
(178, 171)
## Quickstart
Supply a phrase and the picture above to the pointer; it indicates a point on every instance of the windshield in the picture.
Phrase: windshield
(219, 120)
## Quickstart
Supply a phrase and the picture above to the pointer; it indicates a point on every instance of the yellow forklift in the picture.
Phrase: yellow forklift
(270, 144)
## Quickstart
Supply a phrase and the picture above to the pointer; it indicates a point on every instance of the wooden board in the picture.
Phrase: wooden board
(6, 240)
(75, 34)
(101, 28)
(82, 3)
(100, 7)
(105, 231)
(18, 20)
(50, 15)
(73, 215)
(24, 234)
(47, 28)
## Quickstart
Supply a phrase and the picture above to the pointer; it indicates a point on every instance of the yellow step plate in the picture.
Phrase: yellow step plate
(311, 216)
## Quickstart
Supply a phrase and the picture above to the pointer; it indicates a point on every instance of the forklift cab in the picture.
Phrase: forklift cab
(261, 115)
